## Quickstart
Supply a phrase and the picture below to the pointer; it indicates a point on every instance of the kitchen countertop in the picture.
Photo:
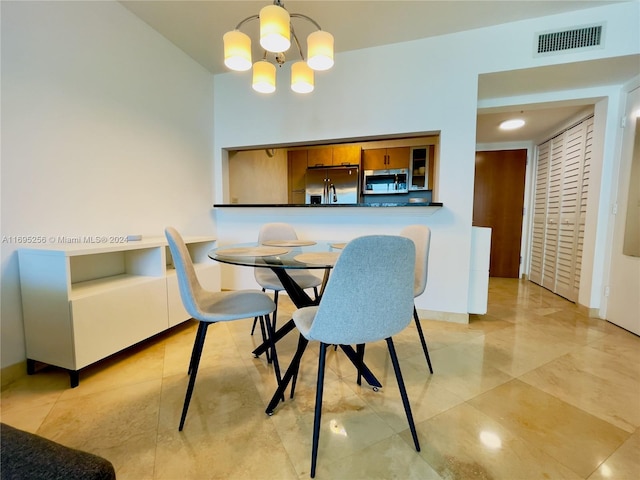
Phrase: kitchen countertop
(352, 205)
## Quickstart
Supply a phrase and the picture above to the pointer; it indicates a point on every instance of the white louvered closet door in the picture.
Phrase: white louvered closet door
(584, 192)
(554, 196)
(562, 179)
(540, 213)
(574, 147)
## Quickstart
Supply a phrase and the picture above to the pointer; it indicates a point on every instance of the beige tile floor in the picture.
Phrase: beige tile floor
(533, 390)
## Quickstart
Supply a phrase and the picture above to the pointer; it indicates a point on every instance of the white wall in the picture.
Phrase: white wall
(427, 85)
(106, 129)
(622, 306)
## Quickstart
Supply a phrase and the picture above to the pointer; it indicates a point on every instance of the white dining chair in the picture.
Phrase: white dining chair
(211, 307)
(368, 297)
(268, 280)
(421, 237)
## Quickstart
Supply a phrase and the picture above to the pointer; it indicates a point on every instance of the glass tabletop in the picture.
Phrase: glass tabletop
(285, 254)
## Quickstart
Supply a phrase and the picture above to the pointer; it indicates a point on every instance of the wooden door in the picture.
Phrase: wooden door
(498, 203)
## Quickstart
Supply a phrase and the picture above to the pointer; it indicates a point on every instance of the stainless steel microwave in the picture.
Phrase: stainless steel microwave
(385, 181)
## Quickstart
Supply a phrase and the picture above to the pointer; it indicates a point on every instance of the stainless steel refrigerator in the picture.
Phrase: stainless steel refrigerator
(332, 185)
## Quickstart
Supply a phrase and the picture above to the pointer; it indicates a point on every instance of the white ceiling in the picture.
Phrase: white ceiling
(197, 27)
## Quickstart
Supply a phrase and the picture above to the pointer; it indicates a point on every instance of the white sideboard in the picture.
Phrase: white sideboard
(479, 271)
(82, 303)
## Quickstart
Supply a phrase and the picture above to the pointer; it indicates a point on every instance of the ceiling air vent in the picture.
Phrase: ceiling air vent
(558, 42)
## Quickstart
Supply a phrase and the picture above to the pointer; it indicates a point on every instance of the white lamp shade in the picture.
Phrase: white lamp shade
(237, 50)
(301, 78)
(274, 29)
(264, 77)
(320, 50)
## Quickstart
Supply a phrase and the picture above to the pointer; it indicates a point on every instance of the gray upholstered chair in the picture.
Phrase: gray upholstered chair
(269, 280)
(368, 297)
(421, 236)
(211, 307)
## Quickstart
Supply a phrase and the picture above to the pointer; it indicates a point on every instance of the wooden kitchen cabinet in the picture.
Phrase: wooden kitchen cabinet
(385, 158)
(346, 155)
(296, 170)
(320, 157)
(334, 156)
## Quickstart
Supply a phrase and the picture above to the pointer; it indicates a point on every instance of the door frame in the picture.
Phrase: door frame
(527, 219)
(619, 266)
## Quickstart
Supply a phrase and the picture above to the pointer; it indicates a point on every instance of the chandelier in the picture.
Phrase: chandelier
(276, 31)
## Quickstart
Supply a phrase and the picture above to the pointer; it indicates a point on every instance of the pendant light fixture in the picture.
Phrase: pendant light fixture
(264, 77)
(301, 77)
(276, 32)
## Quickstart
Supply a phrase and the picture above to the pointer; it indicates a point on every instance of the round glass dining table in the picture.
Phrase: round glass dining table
(281, 256)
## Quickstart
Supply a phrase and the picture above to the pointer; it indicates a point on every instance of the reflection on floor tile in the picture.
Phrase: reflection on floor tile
(534, 389)
(573, 437)
(465, 443)
(623, 463)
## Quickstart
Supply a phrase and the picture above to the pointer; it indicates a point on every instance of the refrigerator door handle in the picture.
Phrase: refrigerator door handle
(335, 196)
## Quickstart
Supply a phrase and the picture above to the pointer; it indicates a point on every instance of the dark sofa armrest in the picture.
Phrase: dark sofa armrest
(24, 455)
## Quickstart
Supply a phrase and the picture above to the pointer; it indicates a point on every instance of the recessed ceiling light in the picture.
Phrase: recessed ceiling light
(511, 124)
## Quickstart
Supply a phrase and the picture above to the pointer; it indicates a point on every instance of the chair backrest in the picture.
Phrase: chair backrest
(276, 231)
(421, 236)
(273, 231)
(190, 288)
(369, 295)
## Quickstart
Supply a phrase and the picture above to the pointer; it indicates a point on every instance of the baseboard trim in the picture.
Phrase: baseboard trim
(12, 373)
(443, 316)
(594, 313)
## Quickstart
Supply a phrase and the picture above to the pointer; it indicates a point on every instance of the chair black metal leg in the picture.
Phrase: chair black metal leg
(265, 338)
(403, 392)
(274, 355)
(255, 319)
(422, 340)
(360, 352)
(275, 300)
(262, 326)
(291, 371)
(318, 409)
(362, 368)
(279, 334)
(201, 332)
(193, 368)
(294, 380)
